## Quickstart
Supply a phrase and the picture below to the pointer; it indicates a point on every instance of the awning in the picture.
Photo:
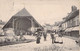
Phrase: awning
(68, 29)
(75, 28)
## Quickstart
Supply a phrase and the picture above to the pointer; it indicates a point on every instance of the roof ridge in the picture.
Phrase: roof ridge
(22, 12)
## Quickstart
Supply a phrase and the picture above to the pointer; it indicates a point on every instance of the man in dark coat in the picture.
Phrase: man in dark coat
(52, 37)
(44, 35)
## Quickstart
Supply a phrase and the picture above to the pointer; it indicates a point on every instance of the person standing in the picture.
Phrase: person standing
(38, 37)
(44, 35)
(52, 37)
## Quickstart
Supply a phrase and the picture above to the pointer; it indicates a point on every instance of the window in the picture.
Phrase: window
(73, 22)
(68, 23)
(77, 20)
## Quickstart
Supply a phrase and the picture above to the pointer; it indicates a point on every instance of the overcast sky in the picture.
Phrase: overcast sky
(44, 11)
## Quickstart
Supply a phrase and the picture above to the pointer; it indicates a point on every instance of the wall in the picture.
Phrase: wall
(73, 22)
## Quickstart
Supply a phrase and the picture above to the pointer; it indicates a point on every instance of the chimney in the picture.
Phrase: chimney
(64, 18)
(74, 8)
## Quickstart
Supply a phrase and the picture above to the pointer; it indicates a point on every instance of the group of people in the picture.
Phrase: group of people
(44, 34)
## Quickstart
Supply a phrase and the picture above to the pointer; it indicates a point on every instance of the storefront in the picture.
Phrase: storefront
(68, 31)
(75, 31)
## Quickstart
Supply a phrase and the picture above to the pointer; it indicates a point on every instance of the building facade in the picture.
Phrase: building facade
(71, 23)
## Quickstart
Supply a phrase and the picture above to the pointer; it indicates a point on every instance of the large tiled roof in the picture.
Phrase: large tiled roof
(23, 12)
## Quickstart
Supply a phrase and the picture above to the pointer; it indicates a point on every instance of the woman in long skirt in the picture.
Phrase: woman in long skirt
(38, 38)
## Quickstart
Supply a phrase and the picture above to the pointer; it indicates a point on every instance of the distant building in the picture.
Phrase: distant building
(71, 22)
(1, 24)
(47, 28)
(57, 26)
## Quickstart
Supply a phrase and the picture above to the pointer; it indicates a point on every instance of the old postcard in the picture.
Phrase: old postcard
(39, 25)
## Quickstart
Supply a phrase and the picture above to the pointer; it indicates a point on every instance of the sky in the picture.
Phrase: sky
(44, 11)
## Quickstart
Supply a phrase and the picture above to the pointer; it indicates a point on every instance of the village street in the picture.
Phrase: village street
(68, 45)
(39, 25)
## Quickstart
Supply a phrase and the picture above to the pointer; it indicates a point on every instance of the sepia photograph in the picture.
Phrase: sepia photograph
(39, 25)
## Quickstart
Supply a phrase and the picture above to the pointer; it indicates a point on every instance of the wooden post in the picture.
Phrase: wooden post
(13, 23)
